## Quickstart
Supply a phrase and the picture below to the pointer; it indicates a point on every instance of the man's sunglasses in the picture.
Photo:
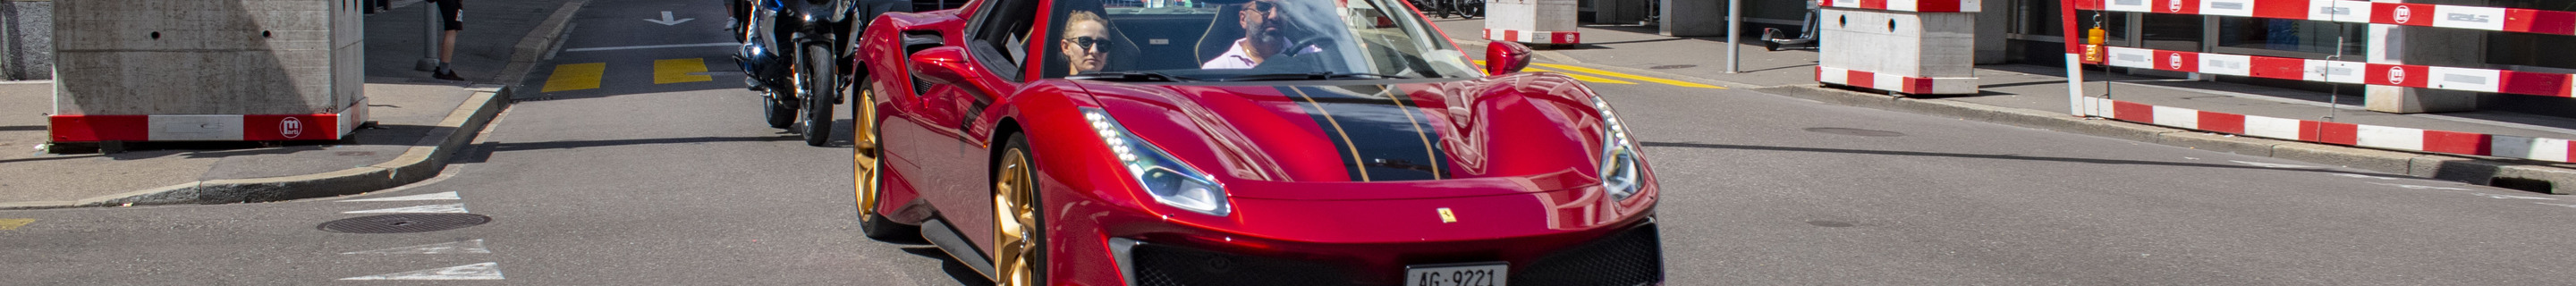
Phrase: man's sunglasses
(1090, 43)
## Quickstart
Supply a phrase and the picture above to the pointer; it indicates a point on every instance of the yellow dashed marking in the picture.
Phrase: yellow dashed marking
(1576, 76)
(1582, 77)
(575, 77)
(14, 223)
(1627, 76)
(680, 70)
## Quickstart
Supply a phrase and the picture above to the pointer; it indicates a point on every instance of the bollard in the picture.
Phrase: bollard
(429, 48)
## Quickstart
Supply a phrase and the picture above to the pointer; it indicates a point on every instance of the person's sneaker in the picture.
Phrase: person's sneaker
(448, 75)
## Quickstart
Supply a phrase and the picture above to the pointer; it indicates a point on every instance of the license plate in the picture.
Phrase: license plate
(1456, 274)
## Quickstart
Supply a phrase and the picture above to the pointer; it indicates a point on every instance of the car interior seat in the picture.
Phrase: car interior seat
(1222, 30)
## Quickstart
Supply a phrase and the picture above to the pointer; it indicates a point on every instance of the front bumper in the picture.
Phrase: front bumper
(1630, 255)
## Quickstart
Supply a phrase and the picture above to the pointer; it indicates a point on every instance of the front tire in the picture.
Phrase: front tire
(868, 169)
(816, 87)
(1019, 232)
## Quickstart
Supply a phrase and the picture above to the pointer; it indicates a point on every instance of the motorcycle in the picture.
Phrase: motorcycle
(1469, 9)
(796, 54)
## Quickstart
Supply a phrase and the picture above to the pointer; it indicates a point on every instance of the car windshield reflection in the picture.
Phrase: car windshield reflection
(1248, 40)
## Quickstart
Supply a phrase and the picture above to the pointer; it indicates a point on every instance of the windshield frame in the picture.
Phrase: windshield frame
(1343, 40)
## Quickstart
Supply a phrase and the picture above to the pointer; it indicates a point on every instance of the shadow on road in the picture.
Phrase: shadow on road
(955, 270)
(2002, 157)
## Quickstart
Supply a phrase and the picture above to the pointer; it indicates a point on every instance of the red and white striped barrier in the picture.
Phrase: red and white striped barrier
(1928, 6)
(223, 127)
(2384, 137)
(1541, 37)
(2465, 79)
(1896, 83)
(2428, 15)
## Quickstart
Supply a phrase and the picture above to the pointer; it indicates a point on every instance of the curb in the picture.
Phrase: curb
(416, 164)
(2530, 176)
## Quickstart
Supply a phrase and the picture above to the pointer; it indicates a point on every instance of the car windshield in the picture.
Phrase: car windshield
(1247, 40)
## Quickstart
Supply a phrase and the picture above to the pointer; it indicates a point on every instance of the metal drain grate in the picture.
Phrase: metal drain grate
(404, 223)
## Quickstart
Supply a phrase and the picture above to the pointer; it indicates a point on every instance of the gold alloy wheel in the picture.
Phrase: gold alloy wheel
(864, 162)
(1015, 221)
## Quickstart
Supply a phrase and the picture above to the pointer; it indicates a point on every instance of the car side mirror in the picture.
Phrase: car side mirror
(1504, 57)
(942, 65)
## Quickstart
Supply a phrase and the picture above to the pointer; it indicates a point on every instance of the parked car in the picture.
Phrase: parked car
(1241, 142)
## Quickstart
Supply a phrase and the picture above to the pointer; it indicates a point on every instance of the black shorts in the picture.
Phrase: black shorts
(454, 12)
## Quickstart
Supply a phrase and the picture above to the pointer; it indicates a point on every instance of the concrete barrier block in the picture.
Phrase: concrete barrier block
(2366, 159)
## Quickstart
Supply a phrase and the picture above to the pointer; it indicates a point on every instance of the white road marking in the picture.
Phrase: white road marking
(723, 44)
(477, 271)
(2511, 197)
(667, 21)
(419, 197)
(2563, 205)
(2415, 187)
(2363, 176)
(2270, 165)
(446, 208)
(469, 246)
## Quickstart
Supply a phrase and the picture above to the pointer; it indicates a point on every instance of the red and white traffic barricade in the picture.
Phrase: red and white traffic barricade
(245, 78)
(2089, 50)
(1913, 47)
(1538, 22)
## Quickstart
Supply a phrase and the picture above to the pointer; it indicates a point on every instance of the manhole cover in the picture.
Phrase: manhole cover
(1854, 132)
(1666, 67)
(402, 223)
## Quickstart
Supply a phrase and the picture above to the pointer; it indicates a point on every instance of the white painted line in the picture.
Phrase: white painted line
(446, 208)
(2415, 187)
(477, 271)
(2270, 165)
(723, 44)
(2513, 197)
(419, 197)
(2563, 205)
(469, 246)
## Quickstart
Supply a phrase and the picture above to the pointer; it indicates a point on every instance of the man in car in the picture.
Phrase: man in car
(1261, 37)
(1086, 42)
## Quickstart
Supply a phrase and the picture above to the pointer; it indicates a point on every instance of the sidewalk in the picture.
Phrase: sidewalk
(419, 123)
(2035, 96)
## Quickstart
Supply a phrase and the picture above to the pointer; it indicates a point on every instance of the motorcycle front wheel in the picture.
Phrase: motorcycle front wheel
(816, 85)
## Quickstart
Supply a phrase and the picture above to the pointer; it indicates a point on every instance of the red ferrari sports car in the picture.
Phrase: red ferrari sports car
(1240, 142)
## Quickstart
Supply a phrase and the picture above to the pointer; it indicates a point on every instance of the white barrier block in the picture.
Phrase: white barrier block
(1833, 75)
(2239, 8)
(1886, 81)
(2466, 17)
(2400, 138)
(2129, 57)
(2177, 117)
(2478, 80)
(2333, 71)
(2127, 5)
(195, 128)
(2339, 11)
(2272, 127)
(2226, 64)
(1904, 5)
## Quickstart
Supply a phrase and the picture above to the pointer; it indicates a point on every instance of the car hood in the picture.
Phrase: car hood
(1374, 140)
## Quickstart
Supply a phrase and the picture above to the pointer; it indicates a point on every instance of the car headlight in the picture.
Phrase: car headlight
(1618, 155)
(1171, 182)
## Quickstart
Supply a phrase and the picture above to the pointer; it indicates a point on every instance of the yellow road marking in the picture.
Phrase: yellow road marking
(1628, 76)
(1576, 76)
(14, 223)
(575, 77)
(680, 70)
(1582, 77)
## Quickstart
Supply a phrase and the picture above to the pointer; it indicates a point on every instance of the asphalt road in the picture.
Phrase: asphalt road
(642, 183)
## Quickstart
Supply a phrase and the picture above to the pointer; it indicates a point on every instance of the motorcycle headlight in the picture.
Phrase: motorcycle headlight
(1171, 182)
(1618, 155)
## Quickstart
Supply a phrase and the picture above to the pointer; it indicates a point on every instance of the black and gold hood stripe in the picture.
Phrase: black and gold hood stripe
(1379, 134)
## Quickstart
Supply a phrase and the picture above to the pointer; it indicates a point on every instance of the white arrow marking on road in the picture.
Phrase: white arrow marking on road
(666, 19)
(477, 271)
(2269, 165)
(2496, 196)
(2418, 187)
(469, 246)
(446, 208)
(419, 197)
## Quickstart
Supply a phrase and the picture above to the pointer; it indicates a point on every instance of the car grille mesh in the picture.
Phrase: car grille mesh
(1158, 265)
(1634, 257)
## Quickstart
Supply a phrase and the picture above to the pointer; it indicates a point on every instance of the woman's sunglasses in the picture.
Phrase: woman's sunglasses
(1089, 43)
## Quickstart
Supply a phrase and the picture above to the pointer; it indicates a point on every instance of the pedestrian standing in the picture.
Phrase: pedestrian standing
(453, 11)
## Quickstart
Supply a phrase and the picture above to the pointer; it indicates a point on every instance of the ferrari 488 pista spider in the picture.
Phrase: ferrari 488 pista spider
(1240, 142)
